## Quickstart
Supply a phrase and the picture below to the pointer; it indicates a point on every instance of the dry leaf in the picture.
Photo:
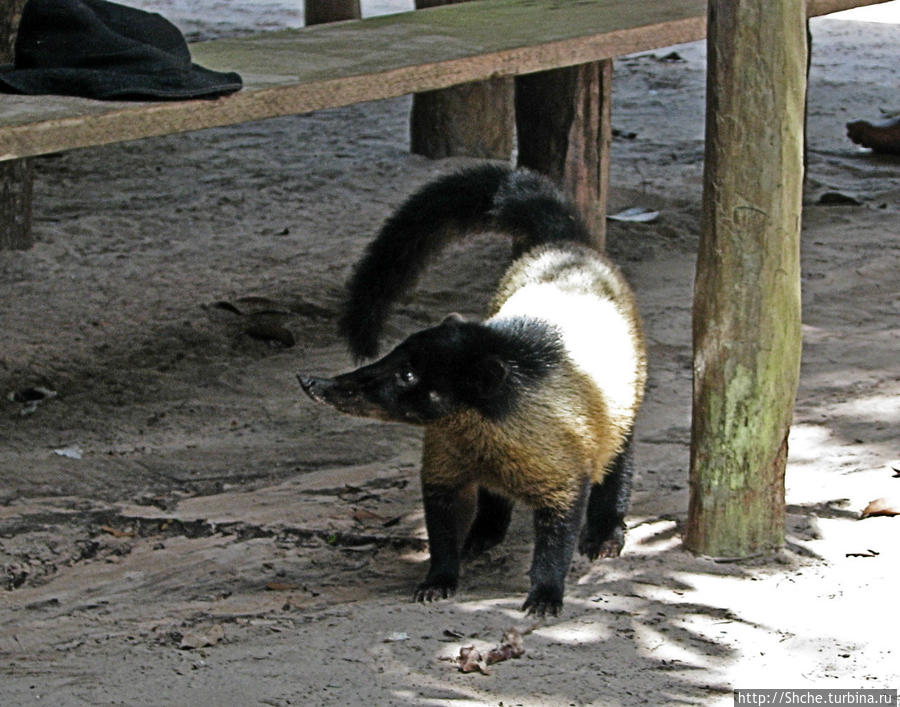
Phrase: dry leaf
(881, 507)
(276, 586)
(116, 533)
(511, 646)
(202, 638)
(361, 515)
(471, 660)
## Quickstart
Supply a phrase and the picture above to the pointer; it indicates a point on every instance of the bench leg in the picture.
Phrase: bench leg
(471, 120)
(15, 175)
(563, 121)
(15, 204)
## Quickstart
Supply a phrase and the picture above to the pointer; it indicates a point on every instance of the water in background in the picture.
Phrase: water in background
(210, 19)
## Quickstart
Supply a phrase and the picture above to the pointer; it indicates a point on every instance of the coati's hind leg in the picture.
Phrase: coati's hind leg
(448, 515)
(555, 532)
(603, 534)
(490, 524)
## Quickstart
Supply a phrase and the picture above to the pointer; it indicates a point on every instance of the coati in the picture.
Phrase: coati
(536, 403)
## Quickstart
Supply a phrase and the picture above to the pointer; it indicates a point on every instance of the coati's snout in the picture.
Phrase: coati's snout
(316, 388)
(432, 374)
(345, 394)
(392, 389)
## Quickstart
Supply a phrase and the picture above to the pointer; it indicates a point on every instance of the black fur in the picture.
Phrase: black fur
(554, 543)
(483, 198)
(490, 524)
(454, 535)
(448, 513)
(603, 534)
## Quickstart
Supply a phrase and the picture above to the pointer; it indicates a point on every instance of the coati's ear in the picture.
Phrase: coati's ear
(453, 318)
(489, 376)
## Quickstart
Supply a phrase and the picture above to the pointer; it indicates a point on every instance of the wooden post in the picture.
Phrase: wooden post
(318, 12)
(474, 119)
(565, 131)
(747, 290)
(16, 176)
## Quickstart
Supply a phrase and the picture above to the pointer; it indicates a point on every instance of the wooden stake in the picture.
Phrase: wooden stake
(320, 11)
(473, 119)
(747, 291)
(16, 176)
(565, 131)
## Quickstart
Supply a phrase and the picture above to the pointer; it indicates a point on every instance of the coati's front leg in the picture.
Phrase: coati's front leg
(603, 534)
(448, 515)
(555, 532)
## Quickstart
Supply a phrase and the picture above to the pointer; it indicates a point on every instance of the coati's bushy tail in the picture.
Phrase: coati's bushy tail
(519, 203)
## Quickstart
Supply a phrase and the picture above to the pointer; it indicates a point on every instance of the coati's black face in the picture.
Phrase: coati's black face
(435, 372)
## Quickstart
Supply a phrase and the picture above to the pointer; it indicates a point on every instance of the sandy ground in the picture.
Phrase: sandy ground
(178, 525)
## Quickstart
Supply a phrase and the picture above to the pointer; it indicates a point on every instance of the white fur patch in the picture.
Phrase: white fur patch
(573, 292)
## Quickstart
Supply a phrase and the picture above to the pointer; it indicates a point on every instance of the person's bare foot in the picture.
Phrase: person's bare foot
(881, 137)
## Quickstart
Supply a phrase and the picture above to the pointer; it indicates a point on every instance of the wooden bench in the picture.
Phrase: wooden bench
(299, 71)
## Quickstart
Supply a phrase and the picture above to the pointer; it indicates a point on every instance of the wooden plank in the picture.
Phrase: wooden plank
(817, 8)
(326, 66)
(746, 316)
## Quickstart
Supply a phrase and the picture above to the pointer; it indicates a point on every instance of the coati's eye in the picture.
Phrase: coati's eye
(406, 377)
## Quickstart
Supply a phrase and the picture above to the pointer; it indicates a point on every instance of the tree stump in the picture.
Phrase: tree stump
(746, 317)
(318, 12)
(565, 131)
(473, 120)
(16, 176)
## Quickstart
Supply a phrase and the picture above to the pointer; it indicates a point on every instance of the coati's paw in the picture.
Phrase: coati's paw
(543, 600)
(610, 546)
(434, 588)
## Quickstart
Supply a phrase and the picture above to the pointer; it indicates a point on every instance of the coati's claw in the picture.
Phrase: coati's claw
(540, 609)
(429, 591)
(611, 546)
(542, 601)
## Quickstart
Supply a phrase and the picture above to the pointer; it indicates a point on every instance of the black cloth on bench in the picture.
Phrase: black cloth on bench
(100, 49)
